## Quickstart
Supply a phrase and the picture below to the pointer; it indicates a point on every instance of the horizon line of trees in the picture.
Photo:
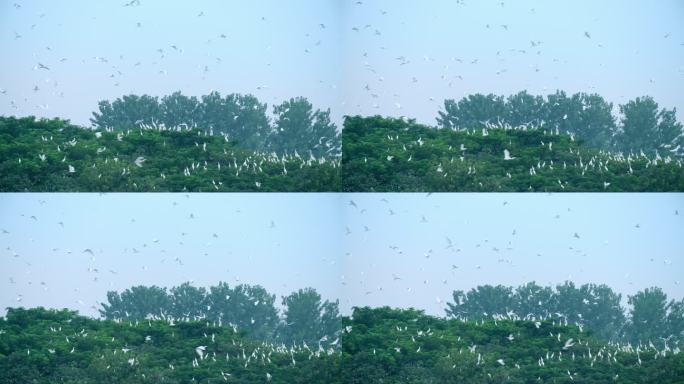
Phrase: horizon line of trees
(55, 155)
(295, 126)
(399, 155)
(305, 317)
(389, 345)
(44, 346)
(640, 125)
(377, 345)
(650, 317)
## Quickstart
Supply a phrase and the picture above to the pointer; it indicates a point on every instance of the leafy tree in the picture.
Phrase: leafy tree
(178, 109)
(299, 128)
(648, 315)
(558, 108)
(250, 308)
(591, 120)
(523, 108)
(307, 319)
(136, 303)
(251, 126)
(602, 311)
(587, 116)
(127, 112)
(675, 319)
(532, 299)
(645, 128)
(481, 302)
(596, 307)
(472, 112)
(241, 117)
(188, 302)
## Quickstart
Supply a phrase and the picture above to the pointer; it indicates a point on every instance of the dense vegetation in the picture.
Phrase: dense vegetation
(642, 126)
(377, 345)
(305, 317)
(296, 127)
(651, 318)
(228, 143)
(53, 155)
(405, 346)
(48, 346)
(398, 155)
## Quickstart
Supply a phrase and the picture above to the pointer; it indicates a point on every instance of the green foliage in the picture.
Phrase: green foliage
(127, 112)
(649, 315)
(646, 128)
(250, 308)
(481, 302)
(242, 118)
(308, 319)
(377, 345)
(595, 307)
(35, 156)
(136, 303)
(406, 346)
(586, 116)
(48, 346)
(299, 128)
(398, 155)
(474, 111)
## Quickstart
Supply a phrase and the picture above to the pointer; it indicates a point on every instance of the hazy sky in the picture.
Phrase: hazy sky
(164, 245)
(384, 57)
(322, 241)
(508, 239)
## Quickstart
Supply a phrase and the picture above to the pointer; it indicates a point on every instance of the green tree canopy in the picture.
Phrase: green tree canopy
(645, 128)
(306, 318)
(648, 315)
(298, 127)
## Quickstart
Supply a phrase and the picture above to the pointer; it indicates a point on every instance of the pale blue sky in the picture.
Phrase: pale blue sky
(302, 249)
(636, 48)
(255, 52)
(610, 248)
(309, 245)
(483, 43)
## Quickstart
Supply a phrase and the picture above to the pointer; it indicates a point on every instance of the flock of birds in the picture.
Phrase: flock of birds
(228, 161)
(406, 333)
(259, 354)
(371, 57)
(603, 162)
(564, 347)
(420, 270)
(205, 353)
(421, 82)
(360, 229)
(453, 249)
